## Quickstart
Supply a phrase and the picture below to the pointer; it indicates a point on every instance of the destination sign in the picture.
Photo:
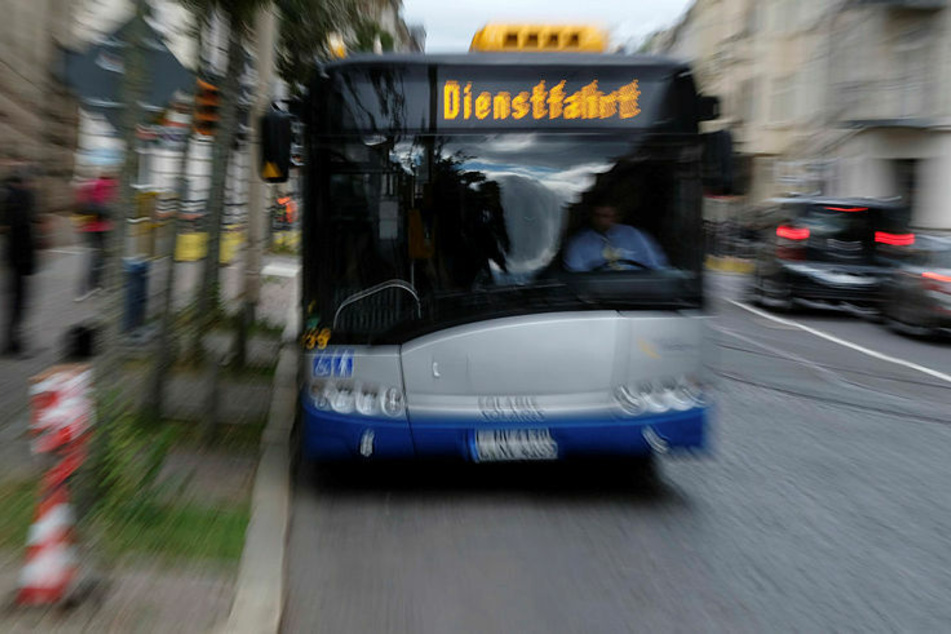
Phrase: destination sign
(543, 101)
(406, 98)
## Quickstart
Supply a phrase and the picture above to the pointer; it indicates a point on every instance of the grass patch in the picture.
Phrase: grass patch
(167, 532)
(266, 329)
(232, 437)
(172, 532)
(17, 501)
(252, 371)
(283, 249)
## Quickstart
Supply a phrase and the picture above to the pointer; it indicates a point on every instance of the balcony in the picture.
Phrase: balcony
(891, 102)
(920, 5)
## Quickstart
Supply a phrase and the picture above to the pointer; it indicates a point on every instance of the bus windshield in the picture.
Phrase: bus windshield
(431, 231)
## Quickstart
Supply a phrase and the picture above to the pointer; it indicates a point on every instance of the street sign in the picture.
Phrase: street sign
(270, 172)
(96, 74)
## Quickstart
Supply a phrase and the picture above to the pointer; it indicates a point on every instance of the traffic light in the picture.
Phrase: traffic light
(276, 136)
(207, 102)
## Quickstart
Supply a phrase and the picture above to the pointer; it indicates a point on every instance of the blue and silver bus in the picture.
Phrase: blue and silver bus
(502, 259)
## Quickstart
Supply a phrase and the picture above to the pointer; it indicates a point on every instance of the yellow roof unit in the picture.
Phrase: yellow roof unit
(539, 38)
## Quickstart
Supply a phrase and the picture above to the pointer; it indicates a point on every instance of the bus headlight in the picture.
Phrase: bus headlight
(677, 395)
(366, 401)
(343, 400)
(656, 399)
(392, 402)
(321, 393)
(692, 388)
(347, 397)
(677, 398)
(629, 400)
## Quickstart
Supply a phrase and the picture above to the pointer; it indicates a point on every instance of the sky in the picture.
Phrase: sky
(450, 24)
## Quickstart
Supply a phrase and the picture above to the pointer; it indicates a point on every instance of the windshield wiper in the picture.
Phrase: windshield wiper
(399, 284)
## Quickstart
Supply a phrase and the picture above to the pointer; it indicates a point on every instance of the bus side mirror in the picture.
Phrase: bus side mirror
(718, 167)
(709, 108)
(276, 137)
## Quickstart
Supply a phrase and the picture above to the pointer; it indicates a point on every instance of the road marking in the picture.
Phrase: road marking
(280, 269)
(842, 342)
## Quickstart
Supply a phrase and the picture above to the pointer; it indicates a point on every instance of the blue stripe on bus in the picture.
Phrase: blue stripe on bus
(331, 436)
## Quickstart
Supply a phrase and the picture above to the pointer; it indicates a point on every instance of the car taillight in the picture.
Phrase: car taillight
(936, 276)
(792, 233)
(936, 282)
(790, 243)
(895, 239)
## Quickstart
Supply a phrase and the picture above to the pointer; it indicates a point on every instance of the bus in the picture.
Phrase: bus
(502, 259)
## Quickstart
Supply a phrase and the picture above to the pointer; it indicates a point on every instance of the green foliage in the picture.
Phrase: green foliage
(241, 11)
(172, 532)
(304, 28)
(18, 500)
(132, 458)
(237, 437)
(168, 531)
(366, 32)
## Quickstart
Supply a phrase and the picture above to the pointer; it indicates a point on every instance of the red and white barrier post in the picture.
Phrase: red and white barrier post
(60, 420)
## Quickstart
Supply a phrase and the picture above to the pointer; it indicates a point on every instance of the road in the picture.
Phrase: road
(824, 507)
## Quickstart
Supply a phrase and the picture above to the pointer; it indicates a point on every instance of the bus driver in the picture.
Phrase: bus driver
(608, 245)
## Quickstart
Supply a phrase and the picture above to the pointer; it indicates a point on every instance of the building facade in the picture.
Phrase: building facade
(848, 97)
(38, 116)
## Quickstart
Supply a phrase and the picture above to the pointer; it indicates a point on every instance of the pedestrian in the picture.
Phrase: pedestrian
(17, 223)
(95, 203)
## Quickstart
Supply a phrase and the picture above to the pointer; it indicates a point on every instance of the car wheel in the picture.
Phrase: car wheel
(779, 298)
(898, 320)
(890, 313)
(754, 293)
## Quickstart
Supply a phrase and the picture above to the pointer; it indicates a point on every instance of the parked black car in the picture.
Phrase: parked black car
(918, 292)
(830, 253)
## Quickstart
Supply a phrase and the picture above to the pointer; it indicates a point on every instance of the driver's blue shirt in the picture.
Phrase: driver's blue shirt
(589, 250)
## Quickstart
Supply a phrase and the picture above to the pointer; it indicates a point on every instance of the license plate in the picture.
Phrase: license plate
(495, 445)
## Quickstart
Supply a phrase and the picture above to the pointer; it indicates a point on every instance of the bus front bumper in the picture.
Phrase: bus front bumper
(327, 436)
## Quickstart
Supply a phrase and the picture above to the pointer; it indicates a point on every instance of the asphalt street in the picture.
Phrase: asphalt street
(823, 507)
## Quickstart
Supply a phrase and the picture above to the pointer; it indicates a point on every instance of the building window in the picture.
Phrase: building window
(781, 105)
(913, 54)
(784, 15)
(906, 173)
(753, 18)
(744, 106)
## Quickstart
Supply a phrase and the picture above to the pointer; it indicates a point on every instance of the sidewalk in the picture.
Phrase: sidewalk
(52, 311)
(143, 596)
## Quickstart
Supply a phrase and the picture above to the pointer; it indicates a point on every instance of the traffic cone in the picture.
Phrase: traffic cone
(50, 556)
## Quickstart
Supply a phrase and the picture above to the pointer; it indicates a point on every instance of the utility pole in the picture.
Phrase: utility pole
(265, 31)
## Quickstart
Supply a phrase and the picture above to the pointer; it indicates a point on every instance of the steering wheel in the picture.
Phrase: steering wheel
(609, 265)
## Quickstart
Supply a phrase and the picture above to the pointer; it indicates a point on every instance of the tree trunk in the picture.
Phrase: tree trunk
(132, 92)
(162, 352)
(107, 367)
(223, 150)
(264, 33)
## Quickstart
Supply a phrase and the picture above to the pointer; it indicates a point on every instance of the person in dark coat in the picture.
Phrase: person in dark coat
(18, 208)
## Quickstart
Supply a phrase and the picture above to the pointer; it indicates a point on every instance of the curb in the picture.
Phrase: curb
(728, 265)
(259, 590)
